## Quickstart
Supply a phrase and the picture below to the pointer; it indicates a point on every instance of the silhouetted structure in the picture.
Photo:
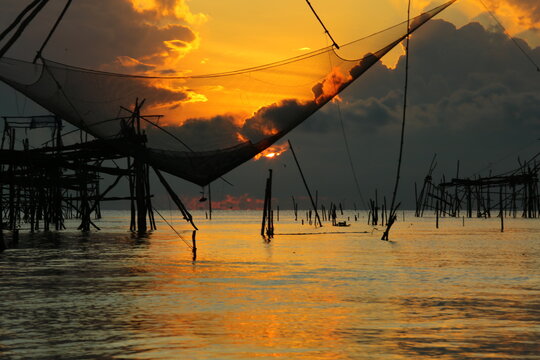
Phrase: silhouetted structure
(42, 187)
(509, 194)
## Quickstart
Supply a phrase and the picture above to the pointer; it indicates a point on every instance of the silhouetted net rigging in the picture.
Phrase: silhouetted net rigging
(210, 123)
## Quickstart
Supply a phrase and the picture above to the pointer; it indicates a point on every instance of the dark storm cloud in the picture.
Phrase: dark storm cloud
(96, 32)
(472, 97)
(202, 134)
(457, 76)
(276, 117)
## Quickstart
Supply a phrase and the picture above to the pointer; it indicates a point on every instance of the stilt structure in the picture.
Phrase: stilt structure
(42, 186)
(516, 191)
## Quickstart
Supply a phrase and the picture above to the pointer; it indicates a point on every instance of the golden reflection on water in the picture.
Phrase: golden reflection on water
(453, 293)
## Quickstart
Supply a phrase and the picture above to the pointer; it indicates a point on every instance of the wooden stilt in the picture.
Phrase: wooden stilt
(267, 226)
(194, 244)
(209, 202)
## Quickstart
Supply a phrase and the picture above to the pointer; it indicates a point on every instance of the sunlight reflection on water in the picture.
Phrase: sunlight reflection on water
(453, 293)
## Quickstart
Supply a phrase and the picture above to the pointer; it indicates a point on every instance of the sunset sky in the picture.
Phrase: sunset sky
(474, 97)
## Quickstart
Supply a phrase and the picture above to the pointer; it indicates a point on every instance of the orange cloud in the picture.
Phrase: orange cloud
(176, 9)
(519, 15)
(168, 17)
(272, 152)
(330, 86)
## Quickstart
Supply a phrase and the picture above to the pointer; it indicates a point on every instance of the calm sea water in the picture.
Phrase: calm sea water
(457, 292)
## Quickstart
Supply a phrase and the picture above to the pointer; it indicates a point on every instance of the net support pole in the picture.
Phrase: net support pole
(393, 208)
(18, 19)
(322, 24)
(38, 55)
(185, 213)
(37, 8)
(306, 185)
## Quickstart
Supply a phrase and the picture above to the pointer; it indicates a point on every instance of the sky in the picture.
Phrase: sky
(473, 96)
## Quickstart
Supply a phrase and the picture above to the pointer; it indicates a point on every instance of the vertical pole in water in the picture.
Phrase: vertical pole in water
(316, 199)
(151, 218)
(140, 175)
(501, 213)
(132, 225)
(305, 184)
(194, 242)
(209, 202)
(140, 195)
(295, 208)
(266, 207)
(269, 211)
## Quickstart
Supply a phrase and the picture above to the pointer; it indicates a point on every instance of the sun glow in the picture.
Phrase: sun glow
(272, 152)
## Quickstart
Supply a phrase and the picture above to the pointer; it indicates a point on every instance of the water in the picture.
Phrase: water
(459, 292)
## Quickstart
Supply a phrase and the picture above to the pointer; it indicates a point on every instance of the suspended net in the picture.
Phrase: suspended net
(210, 124)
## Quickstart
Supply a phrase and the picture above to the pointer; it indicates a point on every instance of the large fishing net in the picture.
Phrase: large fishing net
(211, 123)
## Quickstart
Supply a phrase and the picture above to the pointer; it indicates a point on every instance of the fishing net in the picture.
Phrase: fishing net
(209, 124)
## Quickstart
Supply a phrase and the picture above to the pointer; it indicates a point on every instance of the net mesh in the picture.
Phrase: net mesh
(211, 123)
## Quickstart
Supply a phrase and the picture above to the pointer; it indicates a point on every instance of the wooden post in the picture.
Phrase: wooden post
(149, 198)
(209, 202)
(140, 194)
(194, 242)
(185, 213)
(132, 224)
(295, 208)
(267, 220)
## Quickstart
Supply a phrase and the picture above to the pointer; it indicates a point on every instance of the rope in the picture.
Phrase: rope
(82, 124)
(511, 38)
(38, 55)
(347, 147)
(249, 69)
(349, 157)
(177, 233)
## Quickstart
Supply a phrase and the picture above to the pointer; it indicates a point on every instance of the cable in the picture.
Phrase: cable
(351, 164)
(347, 148)
(177, 233)
(510, 37)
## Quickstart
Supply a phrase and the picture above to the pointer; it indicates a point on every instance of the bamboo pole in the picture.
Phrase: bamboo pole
(305, 183)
